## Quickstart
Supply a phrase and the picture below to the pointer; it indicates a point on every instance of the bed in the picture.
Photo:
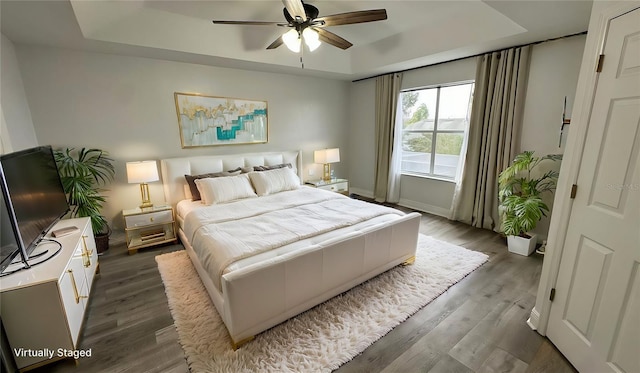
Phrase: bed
(268, 257)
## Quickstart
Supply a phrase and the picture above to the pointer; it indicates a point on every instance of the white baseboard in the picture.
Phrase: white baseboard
(434, 210)
(534, 319)
(361, 192)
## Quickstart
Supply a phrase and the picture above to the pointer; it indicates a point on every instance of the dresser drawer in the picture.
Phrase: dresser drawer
(74, 295)
(337, 187)
(141, 220)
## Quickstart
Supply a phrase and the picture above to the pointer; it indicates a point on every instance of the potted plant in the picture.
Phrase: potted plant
(83, 173)
(521, 203)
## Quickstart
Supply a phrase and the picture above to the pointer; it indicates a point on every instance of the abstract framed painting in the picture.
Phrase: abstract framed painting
(211, 120)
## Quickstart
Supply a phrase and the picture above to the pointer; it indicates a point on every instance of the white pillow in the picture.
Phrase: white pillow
(274, 181)
(224, 189)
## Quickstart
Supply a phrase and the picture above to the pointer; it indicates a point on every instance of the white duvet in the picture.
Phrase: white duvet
(223, 234)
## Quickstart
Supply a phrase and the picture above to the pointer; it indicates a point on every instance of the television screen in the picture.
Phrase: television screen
(8, 243)
(35, 193)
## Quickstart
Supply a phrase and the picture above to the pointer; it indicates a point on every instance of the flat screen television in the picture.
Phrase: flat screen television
(8, 243)
(33, 199)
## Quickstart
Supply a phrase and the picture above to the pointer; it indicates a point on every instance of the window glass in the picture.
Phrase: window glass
(455, 103)
(416, 152)
(435, 122)
(419, 109)
(448, 147)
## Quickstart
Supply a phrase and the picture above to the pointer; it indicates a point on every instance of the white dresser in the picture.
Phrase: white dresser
(42, 308)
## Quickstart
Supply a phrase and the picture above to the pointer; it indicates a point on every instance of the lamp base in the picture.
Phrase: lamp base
(326, 174)
(146, 198)
(146, 205)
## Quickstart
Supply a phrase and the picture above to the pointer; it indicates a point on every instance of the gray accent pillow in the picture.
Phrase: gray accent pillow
(267, 168)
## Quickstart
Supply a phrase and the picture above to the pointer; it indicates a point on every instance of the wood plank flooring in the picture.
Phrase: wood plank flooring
(478, 325)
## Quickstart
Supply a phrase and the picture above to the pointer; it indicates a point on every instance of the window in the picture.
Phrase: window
(435, 122)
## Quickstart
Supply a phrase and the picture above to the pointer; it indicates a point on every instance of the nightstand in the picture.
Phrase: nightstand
(335, 185)
(149, 227)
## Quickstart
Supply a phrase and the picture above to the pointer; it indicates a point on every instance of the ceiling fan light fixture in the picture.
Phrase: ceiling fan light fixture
(311, 38)
(292, 40)
(304, 23)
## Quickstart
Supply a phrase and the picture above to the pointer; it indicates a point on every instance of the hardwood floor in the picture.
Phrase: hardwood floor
(128, 326)
(478, 325)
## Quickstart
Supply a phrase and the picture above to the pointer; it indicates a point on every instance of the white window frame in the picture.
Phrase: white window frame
(434, 134)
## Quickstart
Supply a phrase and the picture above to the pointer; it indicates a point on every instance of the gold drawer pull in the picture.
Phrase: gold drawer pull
(151, 218)
(75, 288)
(84, 242)
(86, 253)
(86, 258)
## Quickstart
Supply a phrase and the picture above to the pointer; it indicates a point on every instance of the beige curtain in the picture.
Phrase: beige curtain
(494, 133)
(387, 172)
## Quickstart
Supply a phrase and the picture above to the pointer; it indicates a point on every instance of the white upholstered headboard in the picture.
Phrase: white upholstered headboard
(174, 169)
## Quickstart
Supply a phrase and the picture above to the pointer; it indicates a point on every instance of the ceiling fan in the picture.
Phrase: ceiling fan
(305, 24)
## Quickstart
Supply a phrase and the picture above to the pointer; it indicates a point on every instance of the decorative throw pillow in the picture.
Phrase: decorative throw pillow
(274, 181)
(195, 194)
(187, 192)
(225, 189)
(267, 168)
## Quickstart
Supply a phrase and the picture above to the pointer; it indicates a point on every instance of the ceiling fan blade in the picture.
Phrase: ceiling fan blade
(253, 23)
(331, 38)
(276, 43)
(353, 17)
(295, 9)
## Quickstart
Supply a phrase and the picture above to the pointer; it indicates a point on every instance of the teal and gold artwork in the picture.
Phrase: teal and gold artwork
(211, 120)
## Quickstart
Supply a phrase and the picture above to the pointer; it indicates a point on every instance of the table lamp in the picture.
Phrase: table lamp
(143, 172)
(326, 157)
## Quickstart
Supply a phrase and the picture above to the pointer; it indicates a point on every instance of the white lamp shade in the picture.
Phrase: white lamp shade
(326, 156)
(142, 172)
(311, 38)
(292, 40)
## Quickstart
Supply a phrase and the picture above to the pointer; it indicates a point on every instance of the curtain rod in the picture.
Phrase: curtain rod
(475, 55)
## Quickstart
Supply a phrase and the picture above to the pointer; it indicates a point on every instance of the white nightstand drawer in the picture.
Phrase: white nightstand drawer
(337, 187)
(158, 217)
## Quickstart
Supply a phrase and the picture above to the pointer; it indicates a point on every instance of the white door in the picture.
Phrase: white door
(595, 316)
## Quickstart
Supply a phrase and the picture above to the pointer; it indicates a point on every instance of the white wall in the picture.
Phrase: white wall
(17, 131)
(553, 75)
(125, 105)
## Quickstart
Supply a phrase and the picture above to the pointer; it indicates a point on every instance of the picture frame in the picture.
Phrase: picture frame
(213, 120)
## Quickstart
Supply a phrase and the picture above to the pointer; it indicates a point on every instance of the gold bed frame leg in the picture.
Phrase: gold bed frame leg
(237, 345)
(409, 261)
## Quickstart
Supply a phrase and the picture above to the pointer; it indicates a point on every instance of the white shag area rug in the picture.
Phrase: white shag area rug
(326, 336)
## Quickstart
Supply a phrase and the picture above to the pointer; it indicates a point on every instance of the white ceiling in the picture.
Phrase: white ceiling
(416, 33)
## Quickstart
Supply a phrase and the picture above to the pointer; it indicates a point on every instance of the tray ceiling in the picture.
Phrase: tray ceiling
(416, 33)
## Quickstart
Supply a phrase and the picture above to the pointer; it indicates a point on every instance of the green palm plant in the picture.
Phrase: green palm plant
(83, 172)
(520, 194)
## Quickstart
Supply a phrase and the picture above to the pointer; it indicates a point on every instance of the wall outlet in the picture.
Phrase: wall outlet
(311, 171)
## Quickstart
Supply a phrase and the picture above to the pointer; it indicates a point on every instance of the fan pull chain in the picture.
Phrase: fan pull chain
(301, 54)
